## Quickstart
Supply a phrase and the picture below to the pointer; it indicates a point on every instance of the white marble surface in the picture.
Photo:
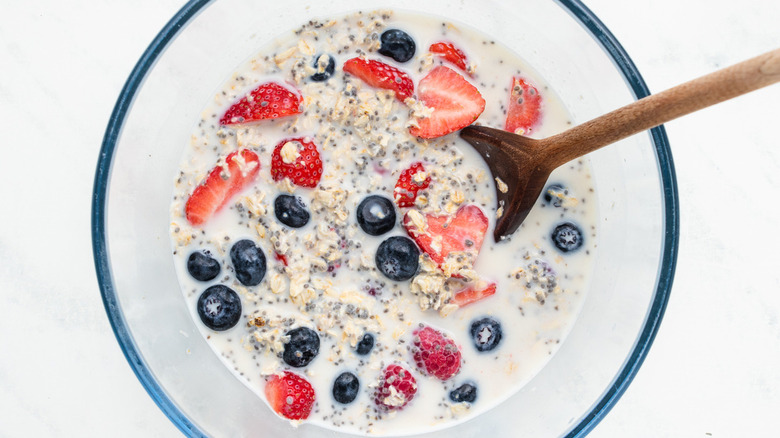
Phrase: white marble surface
(714, 369)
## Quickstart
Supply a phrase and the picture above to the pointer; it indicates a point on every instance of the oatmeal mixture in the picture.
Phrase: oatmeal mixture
(333, 234)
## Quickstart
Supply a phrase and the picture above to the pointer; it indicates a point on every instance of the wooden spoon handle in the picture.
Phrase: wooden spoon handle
(660, 108)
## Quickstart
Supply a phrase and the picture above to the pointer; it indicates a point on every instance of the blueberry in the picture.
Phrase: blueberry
(324, 65)
(486, 333)
(567, 237)
(397, 44)
(303, 347)
(552, 192)
(365, 345)
(248, 262)
(345, 387)
(376, 215)
(219, 307)
(397, 258)
(464, 393)
(291, 211)
(202, 266)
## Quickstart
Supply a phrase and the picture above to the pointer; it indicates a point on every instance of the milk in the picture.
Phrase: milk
(363, 158)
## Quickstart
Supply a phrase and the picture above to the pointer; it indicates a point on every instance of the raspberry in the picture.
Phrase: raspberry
(435, 354)
(396, 388)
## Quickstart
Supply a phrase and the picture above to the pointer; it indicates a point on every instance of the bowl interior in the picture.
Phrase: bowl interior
(637, 240)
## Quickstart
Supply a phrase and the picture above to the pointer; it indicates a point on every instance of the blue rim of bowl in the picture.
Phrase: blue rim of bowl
(100, 251)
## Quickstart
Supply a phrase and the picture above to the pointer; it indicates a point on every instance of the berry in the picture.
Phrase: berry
(451, 53)
(397, 258)
(463, 232)
(553, 194)
(403, 384)
(464, 393)
(297, 159)
(380, 75)
(303, 347)
(455, 103)
(524, 109)
(221, 185)
(290, 395)
(345, 387)
(411, 181)
(267, 101)
(567, 237)
(472, 295)
(291, 211)
(365, 345)
(248, 262)
(219, 307)
(324, 65)
(202, 266)
(435, 354)
(486, 334)
(397, 44)
(376, 215)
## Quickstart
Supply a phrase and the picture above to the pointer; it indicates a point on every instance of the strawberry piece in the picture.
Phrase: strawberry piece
(222, 183)
(455, 103)
(441, 235)
(297, 159)
(525, 105)
(409, 184)
(470, 295)
(281, 257)
(290, 395)
(267, 101)
(450, 52)
(396, 388)
(435, 354)
(380, 75)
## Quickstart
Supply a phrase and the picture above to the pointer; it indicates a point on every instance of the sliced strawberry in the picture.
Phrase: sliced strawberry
(290, 396)
(441, 235)
(411, 181)
(455, 103)
(473, 294)
(267, 101)
(222, 183)
(297, 159)
(525, 105)
(451, 53)
(380, 75)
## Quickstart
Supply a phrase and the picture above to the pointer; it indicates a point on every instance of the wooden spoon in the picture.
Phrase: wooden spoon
(524, 164)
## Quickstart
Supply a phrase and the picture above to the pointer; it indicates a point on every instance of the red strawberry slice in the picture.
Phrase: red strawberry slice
(222, 183)
(380, 75)
(435, 354)
(441, 235)
(267, 101)
(525, 106)
(451, 53)
(455, 103)
(396, 388)
(290, 396)
(297, 159)
(473, 294)
(406, 188)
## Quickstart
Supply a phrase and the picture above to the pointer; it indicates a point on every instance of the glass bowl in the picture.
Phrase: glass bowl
(200, 47)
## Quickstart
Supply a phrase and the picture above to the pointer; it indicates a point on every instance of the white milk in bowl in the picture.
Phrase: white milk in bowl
(334, 235)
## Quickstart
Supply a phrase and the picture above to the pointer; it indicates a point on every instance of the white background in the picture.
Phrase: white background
(714, 369)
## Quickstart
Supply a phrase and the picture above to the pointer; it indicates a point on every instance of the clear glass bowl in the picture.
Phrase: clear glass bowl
(202, 45)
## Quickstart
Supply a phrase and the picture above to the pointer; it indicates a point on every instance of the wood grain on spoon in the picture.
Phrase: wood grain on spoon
(524, 164)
